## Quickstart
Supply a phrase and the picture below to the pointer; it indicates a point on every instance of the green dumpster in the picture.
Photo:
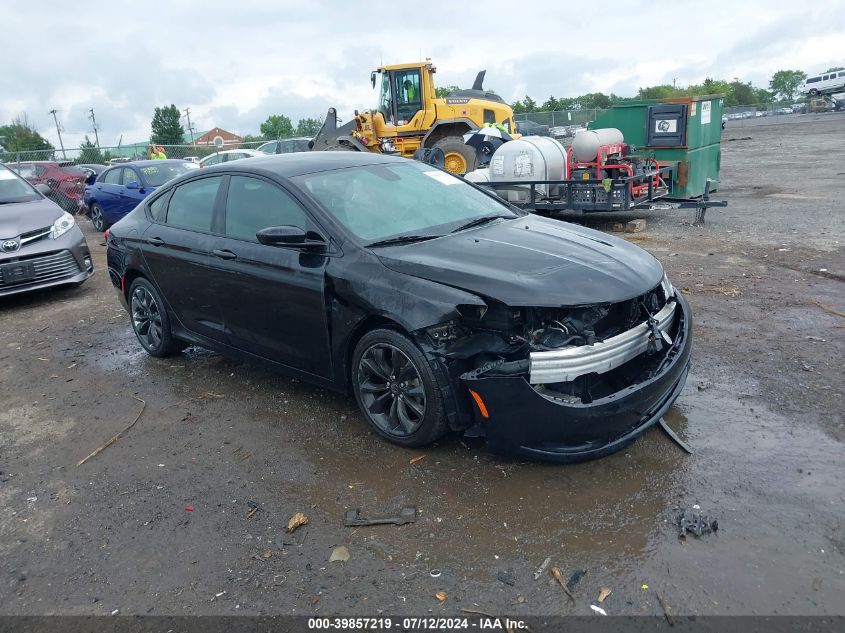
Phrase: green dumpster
(682, 132)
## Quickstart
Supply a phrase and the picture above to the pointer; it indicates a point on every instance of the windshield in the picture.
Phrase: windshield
(157, 175)
(377, 202)
(14, 189)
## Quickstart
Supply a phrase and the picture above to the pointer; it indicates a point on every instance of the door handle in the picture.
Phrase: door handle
(156, 241)
(223, 253)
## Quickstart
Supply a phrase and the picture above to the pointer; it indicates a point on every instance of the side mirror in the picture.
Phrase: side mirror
(290, 236)
(373, 78)
(133, 184)
(43, 189)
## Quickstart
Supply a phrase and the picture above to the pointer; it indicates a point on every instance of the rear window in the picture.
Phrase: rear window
(157, 175)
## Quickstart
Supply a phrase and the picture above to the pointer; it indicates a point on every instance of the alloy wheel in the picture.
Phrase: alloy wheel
(97, 218)
(391, 390)
(146, 318)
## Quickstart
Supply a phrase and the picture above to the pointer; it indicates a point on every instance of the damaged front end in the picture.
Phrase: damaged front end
(568, 384)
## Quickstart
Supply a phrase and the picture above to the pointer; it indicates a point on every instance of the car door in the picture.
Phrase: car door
(130, 197)
(106, 193)
(176, 248)
(272, 298)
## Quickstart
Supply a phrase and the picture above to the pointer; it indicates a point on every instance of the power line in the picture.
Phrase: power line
(59, 132)
(94, 124)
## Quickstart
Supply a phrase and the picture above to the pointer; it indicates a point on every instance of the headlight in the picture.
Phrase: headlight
(62, 225)
(668, 290)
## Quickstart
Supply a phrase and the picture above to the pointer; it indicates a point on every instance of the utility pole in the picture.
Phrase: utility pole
(94, 124)
(674, 79)
(190, 129)
(59, 132)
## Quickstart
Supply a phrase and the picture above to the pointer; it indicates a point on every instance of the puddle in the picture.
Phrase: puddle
(774, 484)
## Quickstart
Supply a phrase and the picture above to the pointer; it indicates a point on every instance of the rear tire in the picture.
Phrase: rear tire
(396, 389)
(150, 320)
(97, 218)
(459, 157)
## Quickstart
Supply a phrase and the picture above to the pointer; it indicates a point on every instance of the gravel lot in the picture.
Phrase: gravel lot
(164, 521)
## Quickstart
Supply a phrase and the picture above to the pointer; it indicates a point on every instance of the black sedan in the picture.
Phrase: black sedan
(438, 305)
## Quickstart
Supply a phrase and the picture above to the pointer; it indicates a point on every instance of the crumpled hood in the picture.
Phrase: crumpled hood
(22, 217)
(531, 261)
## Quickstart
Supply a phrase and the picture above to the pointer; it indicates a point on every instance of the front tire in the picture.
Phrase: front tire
(459, 158)
(150, 320)
(97, 218)
(396, 389)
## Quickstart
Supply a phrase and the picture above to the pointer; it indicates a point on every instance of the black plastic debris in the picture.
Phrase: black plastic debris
(575, 578)
(506, 576)
(695, 522)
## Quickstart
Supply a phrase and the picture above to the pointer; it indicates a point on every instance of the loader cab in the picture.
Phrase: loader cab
(401, 95)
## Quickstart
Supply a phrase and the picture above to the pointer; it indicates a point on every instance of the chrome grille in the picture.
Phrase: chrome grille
(48, 267)
(34, 236)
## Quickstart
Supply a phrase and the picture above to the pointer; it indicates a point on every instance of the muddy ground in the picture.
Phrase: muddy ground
(161, 521)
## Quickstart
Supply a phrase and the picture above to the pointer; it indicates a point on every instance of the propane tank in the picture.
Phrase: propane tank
(528, 158)
(585, 145)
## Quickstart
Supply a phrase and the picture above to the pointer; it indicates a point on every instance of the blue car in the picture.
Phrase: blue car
(119, 189)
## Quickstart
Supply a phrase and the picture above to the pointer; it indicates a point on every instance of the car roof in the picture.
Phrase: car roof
(234, 151)
(297, 164)
(290, 138)
(145, 163)
(60, 163)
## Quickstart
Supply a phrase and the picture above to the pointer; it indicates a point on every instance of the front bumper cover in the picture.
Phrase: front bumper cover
(523, 422)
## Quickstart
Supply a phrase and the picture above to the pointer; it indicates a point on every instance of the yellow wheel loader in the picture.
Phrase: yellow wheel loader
(411, 120)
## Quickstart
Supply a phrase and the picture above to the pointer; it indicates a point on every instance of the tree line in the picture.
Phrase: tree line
(166, 127)
(783, 86)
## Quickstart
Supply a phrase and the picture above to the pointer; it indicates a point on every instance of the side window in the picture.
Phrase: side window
(408, 98)
(129, 175)
(192, 204)
(254, 204)
(112, 177)
(285, 147)
(842, 74)
(213, 160)
(158, 208)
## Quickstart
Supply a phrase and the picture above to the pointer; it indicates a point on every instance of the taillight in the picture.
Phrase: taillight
(106, 235)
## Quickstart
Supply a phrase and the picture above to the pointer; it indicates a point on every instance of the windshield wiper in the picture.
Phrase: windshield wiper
(484, 219)
(402, 239)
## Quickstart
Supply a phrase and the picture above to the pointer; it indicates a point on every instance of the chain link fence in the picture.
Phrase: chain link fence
(110, 155)
(560, 124)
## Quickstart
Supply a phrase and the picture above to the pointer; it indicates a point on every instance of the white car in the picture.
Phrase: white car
(229, 155)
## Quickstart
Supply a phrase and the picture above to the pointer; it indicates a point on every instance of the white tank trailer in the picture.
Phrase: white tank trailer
(529, 158)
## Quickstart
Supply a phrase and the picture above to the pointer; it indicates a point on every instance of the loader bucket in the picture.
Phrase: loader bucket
(332, 137)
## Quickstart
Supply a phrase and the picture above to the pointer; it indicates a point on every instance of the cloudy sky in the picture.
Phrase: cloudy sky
(234, 63)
